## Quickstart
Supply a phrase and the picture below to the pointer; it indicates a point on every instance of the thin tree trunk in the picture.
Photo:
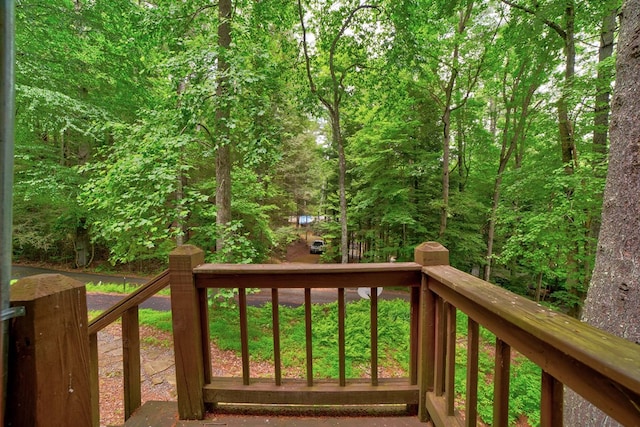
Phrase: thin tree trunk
(444, 210)
(509, 146)
(465, 15)
(565, 127)
(613, 298)
(342, 164)
(332, 105)
(223, 155)
(180, 182)
(462, 164)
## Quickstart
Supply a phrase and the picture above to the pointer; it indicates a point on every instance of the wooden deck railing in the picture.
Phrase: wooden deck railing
(193, 283)
(602, 368)
(127, 310)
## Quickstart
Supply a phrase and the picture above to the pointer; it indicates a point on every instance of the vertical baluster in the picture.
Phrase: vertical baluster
(473, 334)
(131, 361)
(426, 348)
(413, 344)
(307, 321)
(94, 379)
(203, 301)
(275, 313)
(501, 384)
(341, 337)
(244, 335)
(374, 336)
(551, 406)
(440, 360)
(450, 370)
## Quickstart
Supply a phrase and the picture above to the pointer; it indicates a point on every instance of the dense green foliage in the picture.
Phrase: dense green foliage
(456, 118)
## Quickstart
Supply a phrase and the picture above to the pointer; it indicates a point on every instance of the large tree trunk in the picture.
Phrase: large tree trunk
(223, 155)
(613, 299)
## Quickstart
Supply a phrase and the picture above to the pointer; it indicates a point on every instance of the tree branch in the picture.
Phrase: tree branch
(334, 44)
(557, 28)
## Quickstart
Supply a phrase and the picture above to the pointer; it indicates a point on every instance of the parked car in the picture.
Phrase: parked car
(317, 247)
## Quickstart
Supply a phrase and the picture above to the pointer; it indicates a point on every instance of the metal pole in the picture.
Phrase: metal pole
(7, 111)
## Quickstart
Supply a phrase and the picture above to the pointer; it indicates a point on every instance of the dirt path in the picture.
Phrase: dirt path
(298, 252)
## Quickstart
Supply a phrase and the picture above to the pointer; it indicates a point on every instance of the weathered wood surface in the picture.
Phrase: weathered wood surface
(49, 354)
(187, 331)
(131, 368)
(163, 414)
(436, 406)
(307, 275)
(322, 392)
(601, 367)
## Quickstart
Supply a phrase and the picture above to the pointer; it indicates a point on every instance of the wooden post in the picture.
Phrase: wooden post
(187, 334)
(49, 354)
(428, 253)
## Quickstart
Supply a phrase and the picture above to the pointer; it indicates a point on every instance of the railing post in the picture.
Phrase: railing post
(428, 253)
(131, 361)
(187, 333)
(49, 354)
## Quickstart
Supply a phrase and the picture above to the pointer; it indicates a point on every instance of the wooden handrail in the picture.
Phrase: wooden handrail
(134, 299)
(601, 367)
(127, 310)
(584, 343)
(283, 276)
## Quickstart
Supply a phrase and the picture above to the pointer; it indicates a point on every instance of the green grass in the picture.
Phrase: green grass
(393, 350)
(94, 313)
(393, 327)
(119, 288)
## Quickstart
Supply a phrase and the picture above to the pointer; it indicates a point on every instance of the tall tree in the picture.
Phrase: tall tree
(613, 298)
(223, 152)
(339, 63)
(523, 73)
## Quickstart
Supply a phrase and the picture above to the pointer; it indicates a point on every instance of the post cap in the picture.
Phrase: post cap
(41, 285)
(431, 253)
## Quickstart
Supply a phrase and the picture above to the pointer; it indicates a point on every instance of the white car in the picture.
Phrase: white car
(317, 247)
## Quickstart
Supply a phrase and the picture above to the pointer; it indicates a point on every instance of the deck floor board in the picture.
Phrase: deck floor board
(165, 414)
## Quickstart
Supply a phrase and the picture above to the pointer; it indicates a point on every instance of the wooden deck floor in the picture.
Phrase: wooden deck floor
(165, 414)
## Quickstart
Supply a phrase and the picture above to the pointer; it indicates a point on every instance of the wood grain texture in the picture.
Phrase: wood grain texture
(355, 392)
(131, 369)
(307, 275)
(49, 368)
(187, 333)
(603, 368)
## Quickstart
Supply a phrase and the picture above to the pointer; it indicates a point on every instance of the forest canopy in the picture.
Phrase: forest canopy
(480, 125)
